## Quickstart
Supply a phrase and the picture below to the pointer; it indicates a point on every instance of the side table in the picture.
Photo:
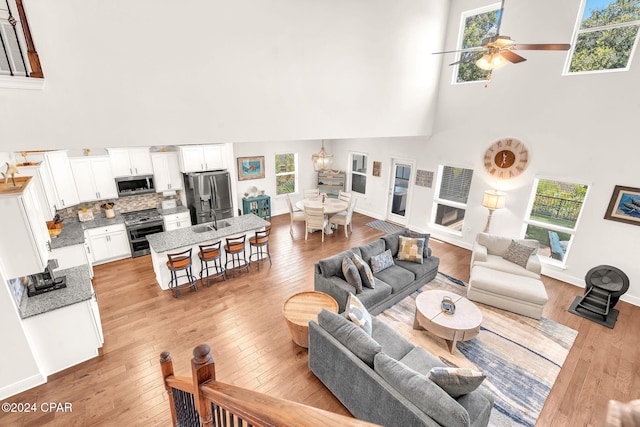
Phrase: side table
(303, 307)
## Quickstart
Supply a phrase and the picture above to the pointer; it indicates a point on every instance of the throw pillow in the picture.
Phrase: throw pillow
(358, 314)
(411, 249)
(518, 253)
(425, 236)
(456, 381)
(351, 273)
(381, 261)
(421, 391)
(365, 271)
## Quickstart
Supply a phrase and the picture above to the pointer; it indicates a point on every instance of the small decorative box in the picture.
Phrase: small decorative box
(85, 216)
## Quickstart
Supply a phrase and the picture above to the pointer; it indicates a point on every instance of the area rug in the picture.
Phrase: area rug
(520, 356)
(385, 226)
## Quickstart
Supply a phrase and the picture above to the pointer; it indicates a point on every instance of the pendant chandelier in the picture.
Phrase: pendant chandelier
(322, 161)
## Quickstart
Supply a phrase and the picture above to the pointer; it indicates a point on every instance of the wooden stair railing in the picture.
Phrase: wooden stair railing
(204, 401)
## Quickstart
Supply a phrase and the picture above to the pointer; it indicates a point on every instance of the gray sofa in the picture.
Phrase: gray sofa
(392, 284)
(382, 378)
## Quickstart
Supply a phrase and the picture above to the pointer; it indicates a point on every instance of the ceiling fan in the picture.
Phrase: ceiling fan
(496, 50)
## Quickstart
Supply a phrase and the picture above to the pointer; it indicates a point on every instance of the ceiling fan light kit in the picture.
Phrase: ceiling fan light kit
(491, 62)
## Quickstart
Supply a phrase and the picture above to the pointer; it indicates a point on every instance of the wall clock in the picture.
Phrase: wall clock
(506, 158)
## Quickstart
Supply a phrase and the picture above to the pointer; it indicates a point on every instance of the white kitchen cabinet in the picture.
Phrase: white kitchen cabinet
(197, 158)
(175, 221)
(108, 243)
(166, 171)
(130, 161)
(64, 337)
(59, 169)
(25, 243)
(93, 178)
(71, 256)
(44, 188)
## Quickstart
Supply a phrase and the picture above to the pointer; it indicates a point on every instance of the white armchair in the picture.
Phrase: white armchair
(507, 279)
(489, 250)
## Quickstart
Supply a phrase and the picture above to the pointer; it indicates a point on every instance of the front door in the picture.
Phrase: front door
(400, 191)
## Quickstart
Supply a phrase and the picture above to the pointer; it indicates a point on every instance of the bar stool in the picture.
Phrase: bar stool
(233, 249)
(260, 242)
(211, 253)
(181, 262)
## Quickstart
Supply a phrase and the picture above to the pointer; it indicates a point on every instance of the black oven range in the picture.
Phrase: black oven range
(140, 224)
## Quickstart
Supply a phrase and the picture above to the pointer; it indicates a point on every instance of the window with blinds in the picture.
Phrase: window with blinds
(451, 200)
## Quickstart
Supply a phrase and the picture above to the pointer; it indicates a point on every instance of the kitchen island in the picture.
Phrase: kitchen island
(63, 325)
(182, 239)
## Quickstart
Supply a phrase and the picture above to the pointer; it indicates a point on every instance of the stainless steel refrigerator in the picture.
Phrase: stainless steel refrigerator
(208, 196)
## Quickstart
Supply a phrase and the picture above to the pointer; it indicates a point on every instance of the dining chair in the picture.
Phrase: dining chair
(313, 193)
(315, 220)
(295, 215)
(344, 196)
(344, 217)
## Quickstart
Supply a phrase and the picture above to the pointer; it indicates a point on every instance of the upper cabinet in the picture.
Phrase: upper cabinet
(59, 170)
(166, 171)
(130, 161)
(93, 178)
(43, 186)
(197, 158)
(25, 243)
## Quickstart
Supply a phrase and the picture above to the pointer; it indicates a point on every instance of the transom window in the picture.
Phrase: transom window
(451, 201)
(358, 173)
(286, 176)
(476, 25)
(555, 208)
(606, 37)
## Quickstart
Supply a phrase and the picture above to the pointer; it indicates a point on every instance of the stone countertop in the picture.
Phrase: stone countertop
(182, 237)
(73, 230)
(78, 290)
(173, 211)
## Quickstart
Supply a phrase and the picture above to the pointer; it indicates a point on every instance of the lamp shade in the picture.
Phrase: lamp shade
(493, 199)
(491, 61)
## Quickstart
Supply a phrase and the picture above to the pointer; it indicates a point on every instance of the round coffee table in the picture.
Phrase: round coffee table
(303, 307)
(463, 325)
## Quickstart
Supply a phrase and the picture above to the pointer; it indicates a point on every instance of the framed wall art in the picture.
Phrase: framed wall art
(624, 205)
(377, 166)
(250, 168)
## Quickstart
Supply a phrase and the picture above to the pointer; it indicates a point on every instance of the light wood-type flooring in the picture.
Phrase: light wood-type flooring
(241, 319)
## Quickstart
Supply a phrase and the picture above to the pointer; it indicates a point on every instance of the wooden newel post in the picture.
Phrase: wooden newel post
(166, 364)
(203, 369)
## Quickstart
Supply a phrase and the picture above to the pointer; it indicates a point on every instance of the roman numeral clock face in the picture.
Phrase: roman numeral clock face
(506, 158)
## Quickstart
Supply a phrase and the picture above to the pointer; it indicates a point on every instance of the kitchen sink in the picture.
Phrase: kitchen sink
(209, 226)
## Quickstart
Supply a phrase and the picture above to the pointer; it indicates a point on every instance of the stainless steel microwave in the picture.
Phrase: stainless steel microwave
(133, 185)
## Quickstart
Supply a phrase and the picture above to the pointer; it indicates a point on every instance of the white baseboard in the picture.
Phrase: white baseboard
(22, 385)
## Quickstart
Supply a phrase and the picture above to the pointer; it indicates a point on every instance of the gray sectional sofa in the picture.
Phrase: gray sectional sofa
(382, 378)
(391, 284)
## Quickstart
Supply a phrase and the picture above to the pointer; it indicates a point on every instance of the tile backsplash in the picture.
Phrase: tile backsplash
(122, 204)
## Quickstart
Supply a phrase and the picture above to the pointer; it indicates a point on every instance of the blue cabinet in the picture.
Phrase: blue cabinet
(260, 205)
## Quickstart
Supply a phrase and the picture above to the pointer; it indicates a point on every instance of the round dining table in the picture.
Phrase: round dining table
(330, 205)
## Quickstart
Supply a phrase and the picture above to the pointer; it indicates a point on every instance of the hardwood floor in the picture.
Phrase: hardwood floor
(241, 319)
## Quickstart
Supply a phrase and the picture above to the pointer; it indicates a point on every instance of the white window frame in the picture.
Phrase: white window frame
(352, 172)
(576, 33)
(463, 22)
(572, 231)
(439, 201)
(279, 174)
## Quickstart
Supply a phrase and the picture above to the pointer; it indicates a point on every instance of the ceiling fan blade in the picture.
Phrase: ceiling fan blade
(543, 46)
(468, 58)
(470, 49)
(512, 57)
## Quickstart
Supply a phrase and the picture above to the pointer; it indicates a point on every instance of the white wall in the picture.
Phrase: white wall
(18, 368)
(307, 178)
(577, 128)
(161, 73)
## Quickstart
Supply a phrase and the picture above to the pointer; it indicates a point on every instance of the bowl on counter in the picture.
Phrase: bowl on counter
(53, 232)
